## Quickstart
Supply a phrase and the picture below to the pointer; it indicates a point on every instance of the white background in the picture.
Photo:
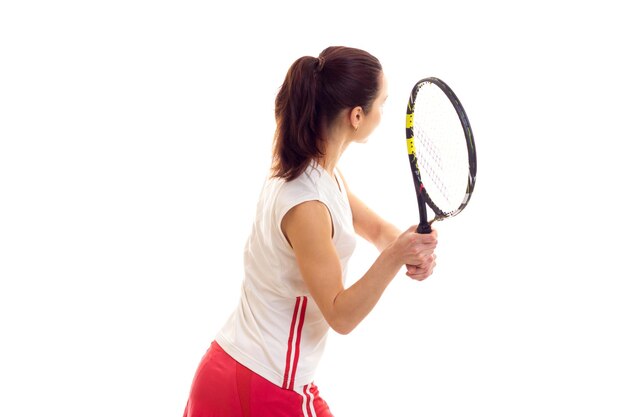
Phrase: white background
(134, 137)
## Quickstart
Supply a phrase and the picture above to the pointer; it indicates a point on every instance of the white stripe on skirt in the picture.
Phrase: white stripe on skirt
(307, 401)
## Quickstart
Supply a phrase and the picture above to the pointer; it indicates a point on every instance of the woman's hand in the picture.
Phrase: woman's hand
(416, 251)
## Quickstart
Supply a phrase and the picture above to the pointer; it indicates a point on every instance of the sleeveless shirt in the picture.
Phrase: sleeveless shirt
(277, 330)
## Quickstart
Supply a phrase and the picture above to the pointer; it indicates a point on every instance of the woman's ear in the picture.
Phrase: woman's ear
(356, 117)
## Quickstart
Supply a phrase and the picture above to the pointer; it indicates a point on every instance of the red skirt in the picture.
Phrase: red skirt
(222, 387)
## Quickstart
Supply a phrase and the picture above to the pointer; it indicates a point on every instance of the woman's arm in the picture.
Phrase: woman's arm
(380, 232)
(368, 224)
(308, 228)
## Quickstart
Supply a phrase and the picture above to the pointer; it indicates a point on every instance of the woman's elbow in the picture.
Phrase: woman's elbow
(343, 328)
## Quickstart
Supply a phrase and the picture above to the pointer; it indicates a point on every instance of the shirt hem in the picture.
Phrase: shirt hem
(257, 367)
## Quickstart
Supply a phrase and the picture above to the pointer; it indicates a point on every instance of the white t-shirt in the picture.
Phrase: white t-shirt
(278, 331)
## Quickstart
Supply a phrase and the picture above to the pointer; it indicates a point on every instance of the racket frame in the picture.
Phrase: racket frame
(423, 198)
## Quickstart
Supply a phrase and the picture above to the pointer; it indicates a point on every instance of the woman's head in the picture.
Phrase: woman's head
(315, 93)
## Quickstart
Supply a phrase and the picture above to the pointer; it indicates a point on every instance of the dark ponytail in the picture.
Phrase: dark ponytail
(313, 94)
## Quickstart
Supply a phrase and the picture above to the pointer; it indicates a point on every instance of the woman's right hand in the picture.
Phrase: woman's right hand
(417, 252)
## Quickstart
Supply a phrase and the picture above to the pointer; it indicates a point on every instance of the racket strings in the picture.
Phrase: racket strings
(440, 149)
(429, 162)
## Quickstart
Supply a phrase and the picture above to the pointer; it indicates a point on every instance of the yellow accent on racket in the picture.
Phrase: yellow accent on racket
(410, 146)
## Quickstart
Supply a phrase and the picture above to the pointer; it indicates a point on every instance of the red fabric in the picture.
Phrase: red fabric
(297, 354)
(224, 388)
(289, 342)
(291, 364)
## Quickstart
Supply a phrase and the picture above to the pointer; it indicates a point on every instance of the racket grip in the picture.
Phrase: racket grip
(424, 229)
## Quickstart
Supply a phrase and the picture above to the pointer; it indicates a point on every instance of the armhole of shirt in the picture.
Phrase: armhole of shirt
(295, 203)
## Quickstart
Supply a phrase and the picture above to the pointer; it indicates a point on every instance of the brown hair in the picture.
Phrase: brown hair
(313, 94)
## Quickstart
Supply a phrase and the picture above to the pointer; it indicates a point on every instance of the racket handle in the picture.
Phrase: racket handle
(424, 229)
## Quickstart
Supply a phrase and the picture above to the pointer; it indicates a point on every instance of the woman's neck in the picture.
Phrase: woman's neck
(336, 144)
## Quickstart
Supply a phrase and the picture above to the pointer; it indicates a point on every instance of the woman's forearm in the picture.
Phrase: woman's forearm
(354, 303)
(386, 235)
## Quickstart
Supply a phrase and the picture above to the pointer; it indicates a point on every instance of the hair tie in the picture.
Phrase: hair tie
(320, 63)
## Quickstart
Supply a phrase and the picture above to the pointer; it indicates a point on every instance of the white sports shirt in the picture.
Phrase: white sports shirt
(278, 331)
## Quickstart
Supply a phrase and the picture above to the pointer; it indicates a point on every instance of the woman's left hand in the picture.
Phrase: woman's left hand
(424, 270)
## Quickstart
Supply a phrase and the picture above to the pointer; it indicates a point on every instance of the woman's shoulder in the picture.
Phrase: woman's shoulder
(305, 183)
(304, 187)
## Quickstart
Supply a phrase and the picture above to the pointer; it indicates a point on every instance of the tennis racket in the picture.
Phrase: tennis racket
(441, 151)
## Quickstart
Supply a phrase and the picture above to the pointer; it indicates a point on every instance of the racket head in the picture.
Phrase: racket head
(441, 150)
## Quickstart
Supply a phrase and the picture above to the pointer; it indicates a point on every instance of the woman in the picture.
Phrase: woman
(263, 360)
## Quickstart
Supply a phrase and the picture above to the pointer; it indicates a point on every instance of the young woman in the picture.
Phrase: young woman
(263, 360)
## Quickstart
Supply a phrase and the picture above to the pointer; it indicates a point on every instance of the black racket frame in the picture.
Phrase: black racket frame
(422, 194)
